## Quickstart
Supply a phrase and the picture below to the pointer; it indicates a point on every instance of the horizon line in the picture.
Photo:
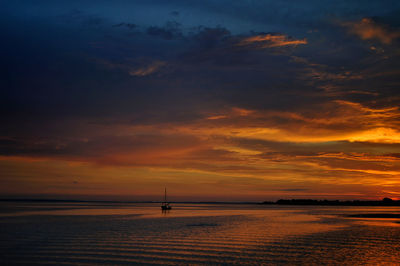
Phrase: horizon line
(215, 202)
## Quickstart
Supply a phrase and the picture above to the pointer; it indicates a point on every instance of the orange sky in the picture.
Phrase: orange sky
(237, 155)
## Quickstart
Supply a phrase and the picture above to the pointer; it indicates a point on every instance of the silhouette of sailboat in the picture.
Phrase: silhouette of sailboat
(165, 205)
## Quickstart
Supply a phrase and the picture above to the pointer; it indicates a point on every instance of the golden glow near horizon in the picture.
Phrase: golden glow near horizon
(225, 155)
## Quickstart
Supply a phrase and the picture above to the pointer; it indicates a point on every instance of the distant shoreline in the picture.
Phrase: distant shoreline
(384, 202)
(302, 202)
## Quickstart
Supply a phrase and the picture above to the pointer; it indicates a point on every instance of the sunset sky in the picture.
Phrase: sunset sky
(215, 100)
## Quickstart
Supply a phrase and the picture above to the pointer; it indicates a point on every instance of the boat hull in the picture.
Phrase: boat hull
(164, 208)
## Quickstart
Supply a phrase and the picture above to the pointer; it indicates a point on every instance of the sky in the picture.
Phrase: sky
(239, 100)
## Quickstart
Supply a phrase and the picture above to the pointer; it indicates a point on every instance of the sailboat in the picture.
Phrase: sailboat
(165, 205)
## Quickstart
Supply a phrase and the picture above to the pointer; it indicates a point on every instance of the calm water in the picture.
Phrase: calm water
(82, 233)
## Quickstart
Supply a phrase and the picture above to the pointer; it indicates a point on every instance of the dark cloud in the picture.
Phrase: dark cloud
(395, 155)
(170, 31)
(175, 13)
(210, 37)
(81, 18)
(94, 148)
(130, 26)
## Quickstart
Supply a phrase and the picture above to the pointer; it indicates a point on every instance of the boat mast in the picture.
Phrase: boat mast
(165, 195)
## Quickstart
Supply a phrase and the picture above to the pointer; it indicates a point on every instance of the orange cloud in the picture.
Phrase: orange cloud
(368, 29)
(377, 135)
(353, 156)
(286, 147)
(338, 120)
(216, 117)
(270, 41)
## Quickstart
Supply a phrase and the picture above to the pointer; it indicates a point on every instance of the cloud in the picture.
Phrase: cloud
(332, 81)
(132, 68)
(174, 13)
(201, 149)
(380, 135)
(294, 189)
(269, 41)
(220, 47)
(148, 70)
(170, 31)
(215, 117)
(368, 29)
(130, 26)
(207, 36)
(338, 120)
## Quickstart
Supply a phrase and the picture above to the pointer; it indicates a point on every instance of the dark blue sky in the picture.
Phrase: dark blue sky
(79, 57)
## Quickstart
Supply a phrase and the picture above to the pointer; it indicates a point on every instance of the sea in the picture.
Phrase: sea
(82, 233)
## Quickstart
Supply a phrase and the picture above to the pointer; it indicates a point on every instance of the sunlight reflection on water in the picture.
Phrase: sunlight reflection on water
(85, 233)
